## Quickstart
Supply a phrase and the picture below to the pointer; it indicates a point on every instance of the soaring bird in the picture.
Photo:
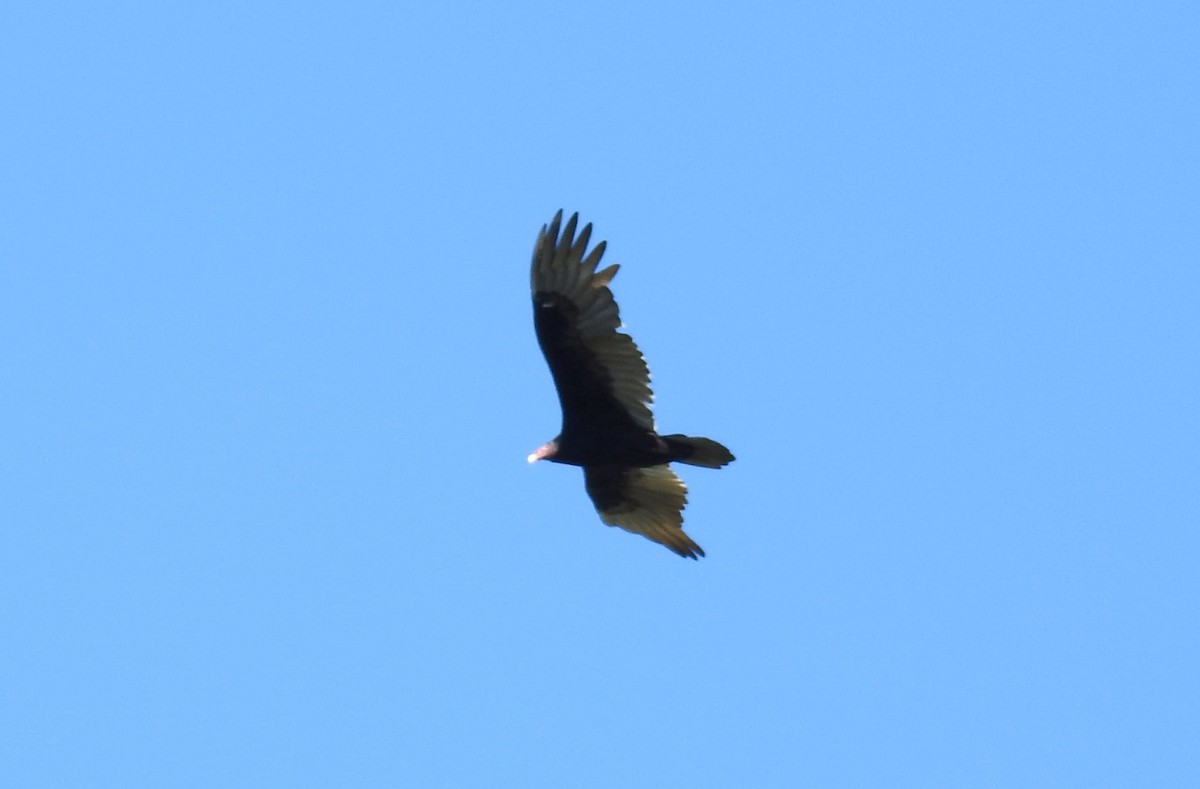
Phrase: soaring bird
(604, 389)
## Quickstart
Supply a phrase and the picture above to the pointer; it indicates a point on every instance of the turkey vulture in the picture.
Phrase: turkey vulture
(604, 389)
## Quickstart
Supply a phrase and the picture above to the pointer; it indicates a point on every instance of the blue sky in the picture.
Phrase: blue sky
(931, 271)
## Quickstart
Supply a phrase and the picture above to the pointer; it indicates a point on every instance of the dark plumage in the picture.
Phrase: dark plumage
(604, 389)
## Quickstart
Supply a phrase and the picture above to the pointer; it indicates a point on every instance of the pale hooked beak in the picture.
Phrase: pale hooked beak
(542, 452)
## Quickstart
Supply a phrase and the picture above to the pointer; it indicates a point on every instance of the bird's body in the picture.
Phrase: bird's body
(604, 389)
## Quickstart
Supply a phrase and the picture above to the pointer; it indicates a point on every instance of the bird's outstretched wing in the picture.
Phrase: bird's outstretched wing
(647, 501)
(595, 367)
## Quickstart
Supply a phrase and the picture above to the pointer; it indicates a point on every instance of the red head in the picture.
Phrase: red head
(546, 450)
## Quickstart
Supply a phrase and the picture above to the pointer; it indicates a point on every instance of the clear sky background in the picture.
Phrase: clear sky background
(269, 378)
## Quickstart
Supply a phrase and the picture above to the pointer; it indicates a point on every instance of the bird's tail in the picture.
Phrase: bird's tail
(698, 451)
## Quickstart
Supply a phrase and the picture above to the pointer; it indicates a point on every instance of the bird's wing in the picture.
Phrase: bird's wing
(576, 318)
(647, 501)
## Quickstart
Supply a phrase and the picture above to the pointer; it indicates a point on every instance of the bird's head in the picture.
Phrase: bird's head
(546, 450)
